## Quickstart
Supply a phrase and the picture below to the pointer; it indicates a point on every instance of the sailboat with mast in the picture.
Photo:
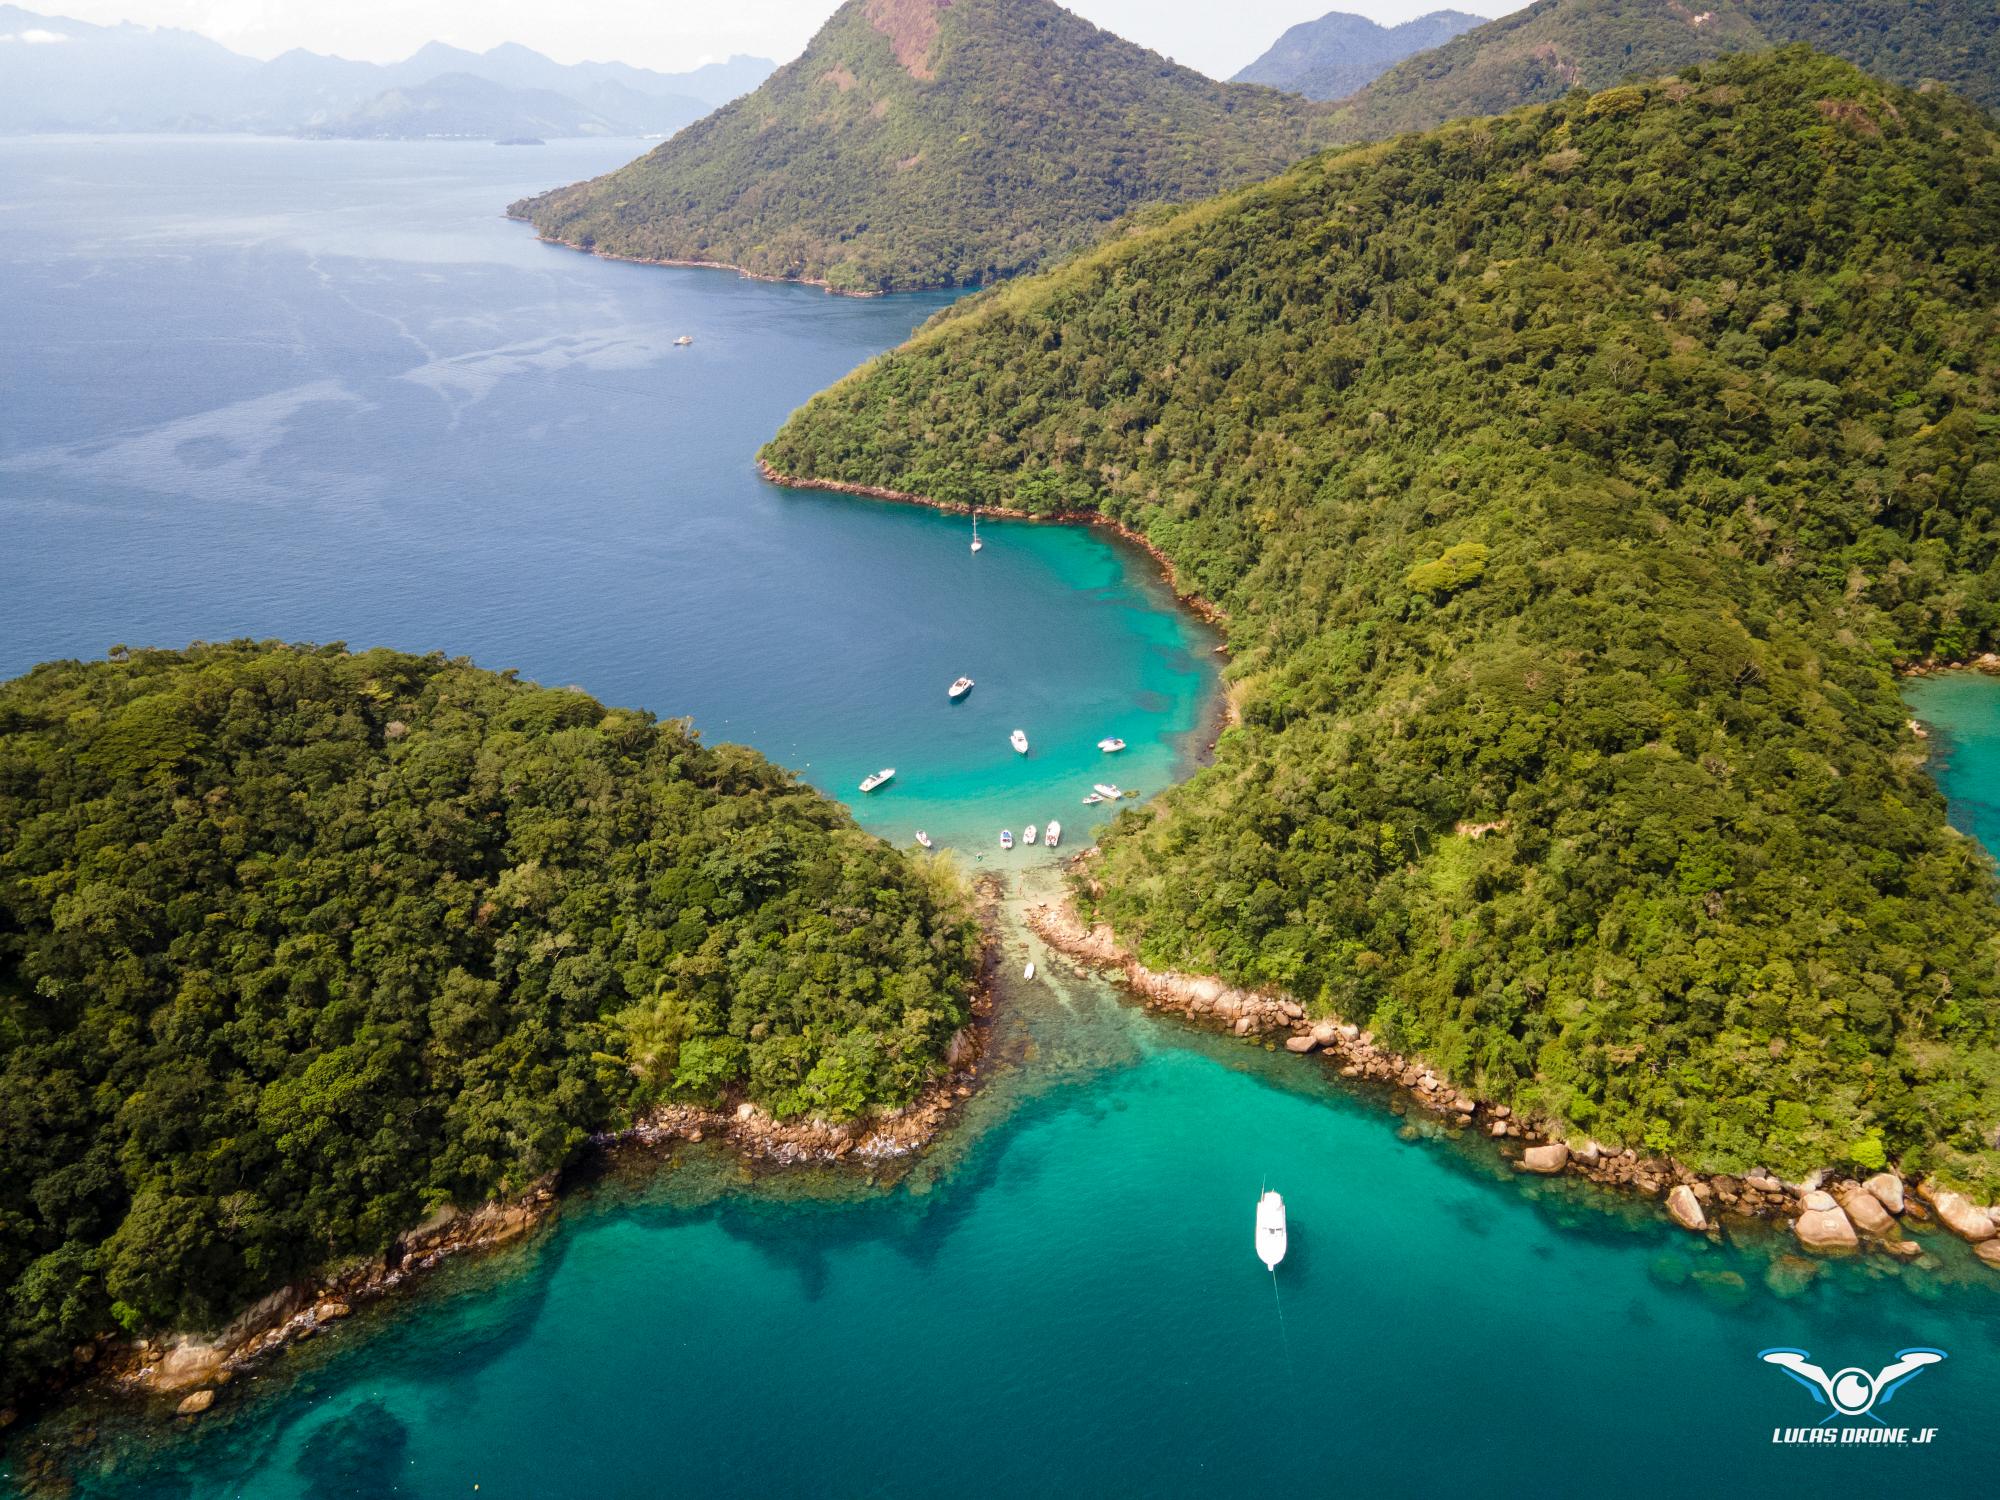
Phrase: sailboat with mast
(976, 543)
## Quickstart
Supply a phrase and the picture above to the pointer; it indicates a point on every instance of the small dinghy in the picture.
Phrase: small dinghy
(1006, 838)
(923, 839)
(1111, 747)
(1019, 740)
(1107, 791)
(881, 777)
(959, 689)
(1028, 834)
(1271, 1229)
(1052, 833)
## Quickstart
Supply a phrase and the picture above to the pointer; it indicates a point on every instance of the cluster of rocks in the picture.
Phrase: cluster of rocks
(200, 1365)
(1827, 1214)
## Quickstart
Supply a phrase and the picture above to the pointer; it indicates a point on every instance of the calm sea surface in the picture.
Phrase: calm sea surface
(317, 391)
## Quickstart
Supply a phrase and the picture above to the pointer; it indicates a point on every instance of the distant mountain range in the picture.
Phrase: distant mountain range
(1332, 57)
(61, 74)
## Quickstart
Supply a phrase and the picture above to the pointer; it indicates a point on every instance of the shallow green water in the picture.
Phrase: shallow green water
(1961, 710)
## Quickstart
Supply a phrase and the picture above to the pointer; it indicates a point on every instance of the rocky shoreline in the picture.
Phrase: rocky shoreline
(1827, 1214)
(1202, 608)
(195, 1367)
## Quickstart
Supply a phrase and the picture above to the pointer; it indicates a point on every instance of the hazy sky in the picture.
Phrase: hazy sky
(1217, 36)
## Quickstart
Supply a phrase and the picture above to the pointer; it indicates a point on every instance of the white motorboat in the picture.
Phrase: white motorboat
(683, 341)
(1093, 799)
(1271, 1229)
(1006, 838)
(923, 839)
(1019, 740)
(1029, 972)
(869, 783)
(1028, 834)
(959, 689)
(976, 543)
(1108, 791)
(1052, 833)
(1111, 747)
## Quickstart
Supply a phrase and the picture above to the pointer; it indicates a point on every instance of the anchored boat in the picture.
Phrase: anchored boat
(923, 839)
(959, 689)
(1108, 791)
(1006, 838)
(1019, 740)
(869, 783)
(1271, 1229)
(976, 543)
(1052, 833)
(683, 341)
(1111, 746)
(1028, 834)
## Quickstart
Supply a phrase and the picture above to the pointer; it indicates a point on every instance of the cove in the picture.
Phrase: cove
(323, 391)
(430, 431)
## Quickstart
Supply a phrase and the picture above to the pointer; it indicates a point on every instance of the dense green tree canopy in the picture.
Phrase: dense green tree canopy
(1572, 481)
(295, 944)
(920, 144)
(1544, 50)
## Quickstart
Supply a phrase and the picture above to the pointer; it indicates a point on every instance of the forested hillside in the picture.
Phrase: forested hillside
(1573, 482)
(1550, 47)
(297, 944)
(920, 143)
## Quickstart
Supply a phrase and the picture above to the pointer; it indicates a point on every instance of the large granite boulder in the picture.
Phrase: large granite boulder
(1888, 1190)
(1822, 1226)
(1547, 1159)
(1960, 1214)
(1866, 1211)
(1686, 1208)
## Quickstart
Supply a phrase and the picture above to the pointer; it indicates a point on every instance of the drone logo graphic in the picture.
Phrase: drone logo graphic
(1852, 1392)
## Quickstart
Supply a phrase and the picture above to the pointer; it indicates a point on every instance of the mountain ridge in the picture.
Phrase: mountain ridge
(920, 143)
(1545, 49)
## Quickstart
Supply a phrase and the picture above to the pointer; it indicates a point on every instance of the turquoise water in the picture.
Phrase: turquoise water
(322, 391)
(1061, 1297)
(1962, 712)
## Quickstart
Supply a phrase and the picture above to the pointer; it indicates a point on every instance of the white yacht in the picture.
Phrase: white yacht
(869, 783)
(1111, 746)
(1028, 834)
(1019, 740)
(959, 689)
(1052, 833)
(923, 839)
(1108, 791)
(976, 543)
(1093, 799)
(1271, 1229)
(1006, 839)
(683, 341)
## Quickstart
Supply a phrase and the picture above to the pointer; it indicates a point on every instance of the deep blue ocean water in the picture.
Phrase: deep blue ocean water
(322, 391)
(319, 392)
